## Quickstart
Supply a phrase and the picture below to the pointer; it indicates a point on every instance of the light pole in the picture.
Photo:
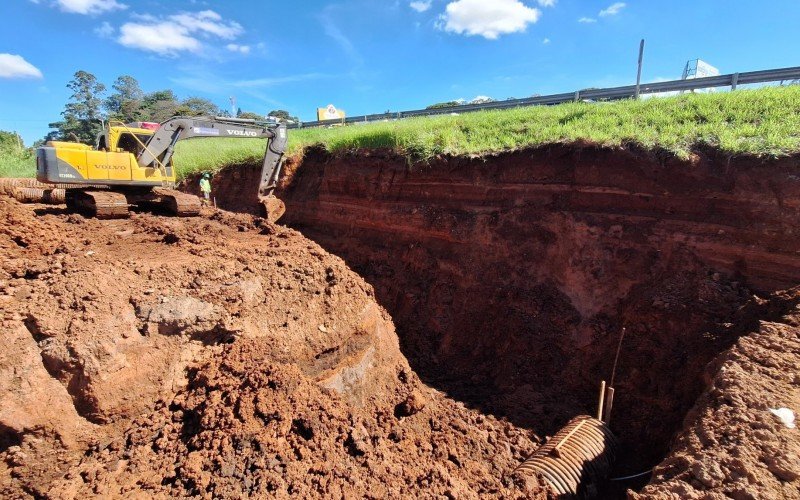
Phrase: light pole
(639, 72)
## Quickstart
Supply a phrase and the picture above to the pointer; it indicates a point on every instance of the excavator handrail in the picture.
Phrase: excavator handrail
(161, 167)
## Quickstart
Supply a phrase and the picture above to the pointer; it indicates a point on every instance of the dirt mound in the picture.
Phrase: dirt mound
(247, 426)
(218, 355)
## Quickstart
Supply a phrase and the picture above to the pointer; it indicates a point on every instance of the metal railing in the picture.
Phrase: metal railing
(610, 94)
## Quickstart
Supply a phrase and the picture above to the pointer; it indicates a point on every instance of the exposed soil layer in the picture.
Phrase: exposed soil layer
(216, 356)
(733, 445)
(510, 277)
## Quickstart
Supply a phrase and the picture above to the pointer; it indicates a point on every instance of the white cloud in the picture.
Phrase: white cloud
(587, 20)
(613, 9)
(547, 3)
(177, 33)
(481, 99)
(421, 6)
(487, 19)
(165, 38)
(105, 30)
(210, 22)
(14, 66)
(89, 6)
(241, 49)
(546, 41)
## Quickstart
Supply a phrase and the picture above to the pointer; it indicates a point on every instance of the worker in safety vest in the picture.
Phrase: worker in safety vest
(205, 187)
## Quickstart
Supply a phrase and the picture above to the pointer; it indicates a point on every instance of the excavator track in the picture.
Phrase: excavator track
(99, 204)
(177, 203)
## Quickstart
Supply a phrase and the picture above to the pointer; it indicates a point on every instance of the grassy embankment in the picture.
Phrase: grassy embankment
(15, 161)
(762, 122)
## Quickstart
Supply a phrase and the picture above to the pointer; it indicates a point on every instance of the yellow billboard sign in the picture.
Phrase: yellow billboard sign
(330, 113)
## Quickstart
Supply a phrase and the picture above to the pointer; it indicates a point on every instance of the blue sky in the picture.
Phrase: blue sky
(368, 56)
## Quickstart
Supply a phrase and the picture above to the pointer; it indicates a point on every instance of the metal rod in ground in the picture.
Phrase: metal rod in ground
(602, 399)
(639, 73)
(609, 405)
(616, 357)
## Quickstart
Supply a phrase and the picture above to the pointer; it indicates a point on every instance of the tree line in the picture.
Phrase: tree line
(90, 107)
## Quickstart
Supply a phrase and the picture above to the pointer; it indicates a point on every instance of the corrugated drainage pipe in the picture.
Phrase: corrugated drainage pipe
(576, 459)
(28, 194)
(54, 196)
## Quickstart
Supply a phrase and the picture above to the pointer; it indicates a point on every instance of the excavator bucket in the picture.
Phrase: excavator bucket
(274, 207)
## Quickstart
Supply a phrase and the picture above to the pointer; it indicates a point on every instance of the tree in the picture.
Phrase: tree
(82, 117)
(162, 105)
(10, 141)
(249, 115)
(125, 104)
(283, 115)
(159, 106)
(442, 105)
(197, 106)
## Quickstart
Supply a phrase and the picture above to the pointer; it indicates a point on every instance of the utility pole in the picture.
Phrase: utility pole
(639, 72)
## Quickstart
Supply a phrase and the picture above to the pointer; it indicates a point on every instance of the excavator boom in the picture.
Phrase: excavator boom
(161, 146)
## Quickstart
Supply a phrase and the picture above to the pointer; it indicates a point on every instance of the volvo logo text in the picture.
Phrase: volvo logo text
(244, 133)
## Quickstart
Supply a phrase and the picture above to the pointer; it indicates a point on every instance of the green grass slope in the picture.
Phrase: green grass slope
(764, 122)
(15, 160)
(17, 164)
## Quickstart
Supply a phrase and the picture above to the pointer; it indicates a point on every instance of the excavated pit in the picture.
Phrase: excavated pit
(224, 356)
(510, 277)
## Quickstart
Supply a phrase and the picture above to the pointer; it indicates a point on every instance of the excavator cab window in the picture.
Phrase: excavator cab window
(130, 143)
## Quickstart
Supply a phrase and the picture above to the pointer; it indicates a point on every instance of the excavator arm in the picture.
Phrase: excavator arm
(158, 151)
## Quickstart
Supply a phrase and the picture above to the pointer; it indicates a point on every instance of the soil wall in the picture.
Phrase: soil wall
(510, 277)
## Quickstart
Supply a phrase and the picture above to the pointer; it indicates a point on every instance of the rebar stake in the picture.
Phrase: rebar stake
(602, 400)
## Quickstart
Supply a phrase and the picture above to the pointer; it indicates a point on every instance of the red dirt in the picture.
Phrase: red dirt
(216, 356)
(732, 445)
(222, 356)
(510, 277)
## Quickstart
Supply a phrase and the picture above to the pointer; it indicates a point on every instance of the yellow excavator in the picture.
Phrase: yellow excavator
(131, 165)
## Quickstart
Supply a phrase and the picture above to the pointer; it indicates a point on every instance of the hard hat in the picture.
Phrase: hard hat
(206, 176)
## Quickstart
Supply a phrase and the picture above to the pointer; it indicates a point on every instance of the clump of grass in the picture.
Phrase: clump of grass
(17, 163)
